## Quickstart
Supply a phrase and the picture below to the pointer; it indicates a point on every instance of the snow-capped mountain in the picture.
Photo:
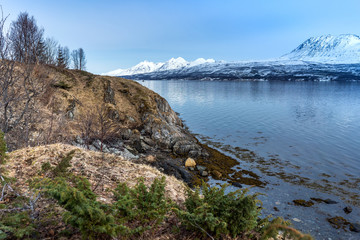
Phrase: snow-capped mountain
(143, 67)
(317, 59)
(148, 67)
(340, 49)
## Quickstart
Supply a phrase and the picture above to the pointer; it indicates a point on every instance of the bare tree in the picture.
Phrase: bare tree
(19, 86)
(26, 38)
(79, 59)
(50, 52)
(75, 59)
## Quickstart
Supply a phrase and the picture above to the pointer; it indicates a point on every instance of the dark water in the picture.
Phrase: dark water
(306, 137)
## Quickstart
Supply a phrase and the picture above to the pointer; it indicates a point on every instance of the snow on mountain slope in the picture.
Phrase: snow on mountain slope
(342, 49)
(143, 67)
(148, 67)
(327, 49)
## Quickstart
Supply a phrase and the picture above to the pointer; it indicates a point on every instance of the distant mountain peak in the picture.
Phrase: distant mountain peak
(148, 67)
(344, 48)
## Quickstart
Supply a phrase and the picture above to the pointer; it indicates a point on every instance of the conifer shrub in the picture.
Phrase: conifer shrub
(237, 213)
(148, 206)
(16, 225)
(93, 219)
(61, 169)
(218, 213)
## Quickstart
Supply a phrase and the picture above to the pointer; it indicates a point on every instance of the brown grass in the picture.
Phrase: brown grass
(104, 171)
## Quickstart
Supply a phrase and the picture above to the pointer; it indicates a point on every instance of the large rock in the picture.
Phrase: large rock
(166, 129)
(190, 162)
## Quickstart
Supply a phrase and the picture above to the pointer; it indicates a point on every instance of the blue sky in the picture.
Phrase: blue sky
(120, 34)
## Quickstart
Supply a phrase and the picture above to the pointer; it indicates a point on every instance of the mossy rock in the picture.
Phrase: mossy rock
(301, 202)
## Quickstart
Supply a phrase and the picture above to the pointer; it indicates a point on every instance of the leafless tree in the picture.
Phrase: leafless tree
(19, 86)
(96, 125)
(50, 52)
(26, 38)
(79, 59)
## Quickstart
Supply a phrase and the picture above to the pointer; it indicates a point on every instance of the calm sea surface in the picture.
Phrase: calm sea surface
(306, 137)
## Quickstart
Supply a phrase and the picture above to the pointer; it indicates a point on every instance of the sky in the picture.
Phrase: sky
(122, 33)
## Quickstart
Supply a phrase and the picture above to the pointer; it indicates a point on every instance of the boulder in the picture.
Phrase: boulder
(190, 162)
(347, 209)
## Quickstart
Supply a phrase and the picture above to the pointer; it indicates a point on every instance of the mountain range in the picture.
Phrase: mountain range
(147, 67)
(318, 58)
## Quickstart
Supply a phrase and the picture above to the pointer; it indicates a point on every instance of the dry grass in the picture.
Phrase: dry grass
(104, 171)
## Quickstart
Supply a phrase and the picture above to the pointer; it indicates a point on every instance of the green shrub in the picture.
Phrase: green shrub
(142, 204)
(61, 169)
(91, 217)
(16, 224)
(218, 213)
(237, 213)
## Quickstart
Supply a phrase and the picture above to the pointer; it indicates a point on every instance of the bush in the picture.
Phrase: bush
(91, 217)
(142, 204)
(16, 224)
(219, 213)
(235, 213)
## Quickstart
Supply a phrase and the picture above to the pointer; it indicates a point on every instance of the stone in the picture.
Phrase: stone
(190, 162)
(301, 202)
(329, 201)
(276, 209)
(144, 146)
(191, 168)
(204, 173)
(115, 151)
(131, 119)
(347, 209)
(97, 144)
(236, 184)
(216, 174)
(200, 168)
(79, 140)
(296, 220)
(128, 155)
(138, 146)
(148, 141)
(355, 227)
(150, 158)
